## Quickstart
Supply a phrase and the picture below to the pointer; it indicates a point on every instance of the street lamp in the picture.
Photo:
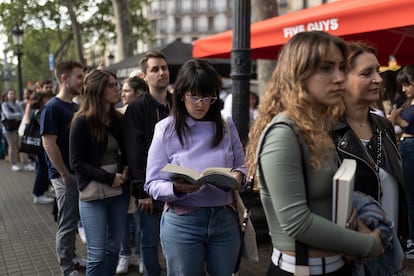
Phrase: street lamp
(111, 58)
(17, 35)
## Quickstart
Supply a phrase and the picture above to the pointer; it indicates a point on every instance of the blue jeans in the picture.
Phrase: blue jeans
(67, 218)
(150, 227)
(407, 155)
(205, 238)
(104, 221)
(41, 183)
(133, 220)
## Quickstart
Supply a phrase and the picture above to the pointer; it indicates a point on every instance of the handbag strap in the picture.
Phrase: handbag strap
(301, 249)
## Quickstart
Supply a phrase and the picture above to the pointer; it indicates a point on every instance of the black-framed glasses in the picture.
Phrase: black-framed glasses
(196, 100)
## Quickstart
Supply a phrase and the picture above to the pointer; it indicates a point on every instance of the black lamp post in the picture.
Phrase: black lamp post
(17, 35)
(111, 58)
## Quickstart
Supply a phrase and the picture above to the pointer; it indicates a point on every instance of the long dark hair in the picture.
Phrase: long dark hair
(406, 76)
(201, 79)
(92, 103)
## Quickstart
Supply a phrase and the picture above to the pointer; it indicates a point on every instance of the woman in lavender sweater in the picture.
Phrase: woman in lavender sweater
(199, 227)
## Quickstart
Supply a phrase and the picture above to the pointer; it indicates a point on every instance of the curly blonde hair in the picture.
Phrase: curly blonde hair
(286, 92)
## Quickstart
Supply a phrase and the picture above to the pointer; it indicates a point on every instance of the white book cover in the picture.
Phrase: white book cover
(343, 187)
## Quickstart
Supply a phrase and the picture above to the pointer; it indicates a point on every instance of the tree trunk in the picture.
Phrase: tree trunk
(261, 10)
(76, 31)
(123, 29)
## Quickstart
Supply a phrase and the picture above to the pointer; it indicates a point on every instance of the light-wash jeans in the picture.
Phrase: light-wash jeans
(208, 237)
(133, 219)
(68, 217)
(104, 222)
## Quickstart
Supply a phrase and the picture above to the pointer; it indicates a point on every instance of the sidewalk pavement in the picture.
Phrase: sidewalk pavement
(27, 233)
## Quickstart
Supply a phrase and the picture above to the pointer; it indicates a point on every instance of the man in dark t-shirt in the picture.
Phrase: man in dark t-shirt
(55, 123)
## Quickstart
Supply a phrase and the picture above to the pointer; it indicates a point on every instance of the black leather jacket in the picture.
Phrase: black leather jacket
(348, 145)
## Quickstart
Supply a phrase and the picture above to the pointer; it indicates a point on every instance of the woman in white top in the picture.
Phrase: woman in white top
(13, 114)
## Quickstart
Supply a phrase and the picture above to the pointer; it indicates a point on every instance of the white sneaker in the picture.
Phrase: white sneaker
(29, 167)
(74, 273)
(123, 263)
(79, 261)
(42, 199)
(16, 168)
(139, 264)
(81, 232)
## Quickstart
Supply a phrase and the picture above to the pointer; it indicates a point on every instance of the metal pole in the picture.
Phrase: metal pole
(240, 67)
(19, 74)
(6, 71)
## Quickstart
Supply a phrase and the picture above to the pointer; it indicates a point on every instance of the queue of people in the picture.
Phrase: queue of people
(316, 111)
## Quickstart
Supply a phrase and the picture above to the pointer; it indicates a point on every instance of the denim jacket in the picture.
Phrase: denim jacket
(390, 262)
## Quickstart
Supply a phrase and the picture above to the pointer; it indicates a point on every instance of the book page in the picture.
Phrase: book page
(212, 170)
(177, 170)
(220, 177)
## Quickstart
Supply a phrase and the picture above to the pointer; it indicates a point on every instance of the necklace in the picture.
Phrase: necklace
(364, 124)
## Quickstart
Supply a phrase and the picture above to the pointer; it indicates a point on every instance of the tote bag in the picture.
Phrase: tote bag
(96, 190)
(31, 141)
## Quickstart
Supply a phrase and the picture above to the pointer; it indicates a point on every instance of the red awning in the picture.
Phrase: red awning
(387, 25)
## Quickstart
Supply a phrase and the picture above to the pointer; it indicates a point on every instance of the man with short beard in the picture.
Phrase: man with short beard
(55, 123)
(139, 122)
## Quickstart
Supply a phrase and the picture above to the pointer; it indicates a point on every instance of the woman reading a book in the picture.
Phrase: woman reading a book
(199, 228)
(296, 160)
(369, 138)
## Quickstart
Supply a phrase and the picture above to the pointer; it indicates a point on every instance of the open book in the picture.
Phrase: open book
(220, 177)
(343, 187)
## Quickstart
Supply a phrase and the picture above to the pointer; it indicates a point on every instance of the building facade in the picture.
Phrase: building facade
(188, 20)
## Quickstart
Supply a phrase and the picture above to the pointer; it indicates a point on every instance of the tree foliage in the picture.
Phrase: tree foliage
(49, 29)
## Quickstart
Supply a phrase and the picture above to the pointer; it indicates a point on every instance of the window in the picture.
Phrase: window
(194, 21)
(230, 5)
(178, 25)
(211, 5)
(210, 23)
(178, 5)
(195, 6)
(229, 23)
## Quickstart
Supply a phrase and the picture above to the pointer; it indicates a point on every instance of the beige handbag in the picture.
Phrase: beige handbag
(96, 190)
(249, 245)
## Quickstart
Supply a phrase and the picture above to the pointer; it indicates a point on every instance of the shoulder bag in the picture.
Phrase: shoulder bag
(10, 124)
(96, 190)
(301, 249)
(31, 141)
(248, 246)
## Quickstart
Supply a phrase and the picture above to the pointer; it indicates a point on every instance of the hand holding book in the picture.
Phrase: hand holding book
(180, 185)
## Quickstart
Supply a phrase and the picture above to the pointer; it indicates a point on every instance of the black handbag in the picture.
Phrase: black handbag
(11, 124)
(31, 141)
